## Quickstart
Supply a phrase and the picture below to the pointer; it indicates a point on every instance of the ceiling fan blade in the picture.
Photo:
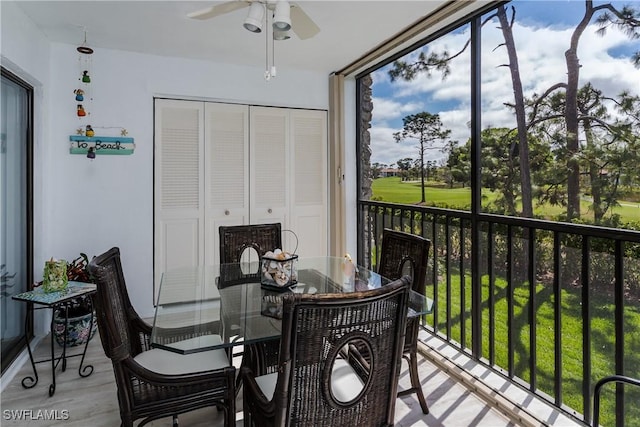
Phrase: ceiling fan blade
(219, 9)
(301, 24)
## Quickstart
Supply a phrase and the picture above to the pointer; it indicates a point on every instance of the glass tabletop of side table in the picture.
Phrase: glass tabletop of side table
(49, 299)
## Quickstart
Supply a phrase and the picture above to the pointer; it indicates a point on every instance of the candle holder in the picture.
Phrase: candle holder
(55, 276)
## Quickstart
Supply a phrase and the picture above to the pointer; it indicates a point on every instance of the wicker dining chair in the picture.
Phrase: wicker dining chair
(401, 251)
(314, 384)
(154, 383)
(234, 240)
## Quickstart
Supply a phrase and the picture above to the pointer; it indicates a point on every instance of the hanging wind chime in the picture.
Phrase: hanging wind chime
(85, 141)
(83, 92)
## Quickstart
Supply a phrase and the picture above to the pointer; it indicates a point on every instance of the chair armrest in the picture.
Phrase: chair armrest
(139, 326)
(141, 332)
(253, 393)
(262, 357)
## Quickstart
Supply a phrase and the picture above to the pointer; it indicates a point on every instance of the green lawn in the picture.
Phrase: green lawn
(602, 309)
(393, 190)
(602, 353)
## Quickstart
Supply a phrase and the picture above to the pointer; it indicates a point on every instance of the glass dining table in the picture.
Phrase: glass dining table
(226, 305)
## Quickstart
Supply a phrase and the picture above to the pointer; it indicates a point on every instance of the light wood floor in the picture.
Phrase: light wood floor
(92, 401)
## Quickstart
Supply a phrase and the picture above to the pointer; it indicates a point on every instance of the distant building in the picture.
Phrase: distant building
(386, 172)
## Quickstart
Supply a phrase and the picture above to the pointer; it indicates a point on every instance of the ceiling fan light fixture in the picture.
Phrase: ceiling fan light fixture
(253, 22)
(281, 35)
(282, 16)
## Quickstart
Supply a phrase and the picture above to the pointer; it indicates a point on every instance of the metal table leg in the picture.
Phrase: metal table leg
(52, 386)
(55, 305)
(81, 370)
(29, 381)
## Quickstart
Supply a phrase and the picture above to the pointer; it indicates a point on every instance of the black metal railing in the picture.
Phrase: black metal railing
(620, 380)
(557, 304)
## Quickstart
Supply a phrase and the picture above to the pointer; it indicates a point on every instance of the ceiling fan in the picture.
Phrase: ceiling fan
(286, 16)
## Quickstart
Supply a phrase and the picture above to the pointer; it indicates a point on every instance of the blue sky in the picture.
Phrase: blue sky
(542, 32)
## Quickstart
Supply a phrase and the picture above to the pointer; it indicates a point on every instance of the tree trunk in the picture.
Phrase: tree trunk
(594, 177)
(509, 191)
(424, 199)
(573, 146)
(523, 142)
(571, 115)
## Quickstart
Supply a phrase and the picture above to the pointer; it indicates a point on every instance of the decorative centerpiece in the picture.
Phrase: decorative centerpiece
(271, 304)
(55, 276)
(279, 269)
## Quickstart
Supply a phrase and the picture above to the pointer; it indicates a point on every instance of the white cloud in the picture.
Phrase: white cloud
(384, 109)
(541, 62)
(382, 142)
(459, 123)
(385, 150)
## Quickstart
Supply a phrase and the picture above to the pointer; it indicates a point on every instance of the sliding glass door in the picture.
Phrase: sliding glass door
(15, 211)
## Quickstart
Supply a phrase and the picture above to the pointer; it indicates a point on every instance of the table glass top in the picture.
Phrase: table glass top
(39, 296)
(226, 305)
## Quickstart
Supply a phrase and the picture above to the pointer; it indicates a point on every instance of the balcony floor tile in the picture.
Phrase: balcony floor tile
(93, 401)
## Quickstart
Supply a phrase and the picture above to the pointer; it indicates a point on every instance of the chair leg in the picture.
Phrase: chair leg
(246, 411)
(416, 387)
(229, 417)
(246, 422)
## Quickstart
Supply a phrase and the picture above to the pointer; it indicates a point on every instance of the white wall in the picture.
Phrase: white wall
(90, 206)
(109, 201)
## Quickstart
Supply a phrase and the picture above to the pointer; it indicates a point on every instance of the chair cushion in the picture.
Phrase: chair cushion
(202, 341)
(345, 383)
(267, 384)
(170, 363)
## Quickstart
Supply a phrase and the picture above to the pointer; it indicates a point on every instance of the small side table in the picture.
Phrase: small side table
(57, 300)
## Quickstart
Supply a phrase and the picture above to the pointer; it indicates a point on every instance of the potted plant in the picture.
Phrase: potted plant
(79, 311)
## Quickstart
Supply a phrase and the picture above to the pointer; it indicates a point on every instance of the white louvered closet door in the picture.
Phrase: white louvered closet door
(227, 164)
(269, 165)
(179, 190)
(308, 214)
(227, 171)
